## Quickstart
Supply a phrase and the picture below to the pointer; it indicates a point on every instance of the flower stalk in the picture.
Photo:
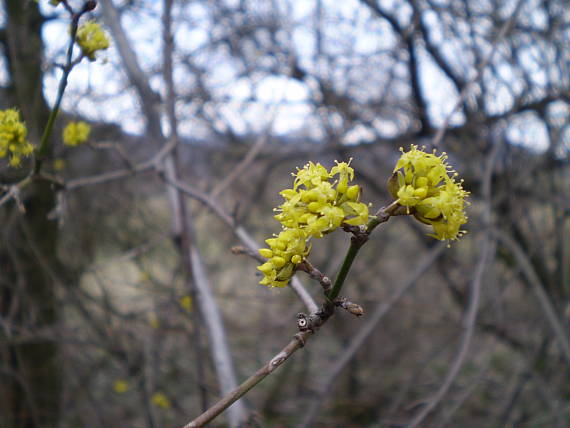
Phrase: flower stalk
(42, 151)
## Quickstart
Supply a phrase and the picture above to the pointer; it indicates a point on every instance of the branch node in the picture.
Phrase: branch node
(277, 360)
(351, 307)
(315, 274)
(302, 322)
(300, 339)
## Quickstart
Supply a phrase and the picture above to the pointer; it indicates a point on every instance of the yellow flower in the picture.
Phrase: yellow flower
(159, 399)
(121, 386)
(285, 251)
(319, 202)
(153, 320)
(425, 184)
(186, 303)
(76, 133)
(91, 38)
(13, 132)
(59, 164)
(144, 276)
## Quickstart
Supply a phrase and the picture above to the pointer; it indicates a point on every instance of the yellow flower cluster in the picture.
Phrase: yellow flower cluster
(159, 399)
(319, 202)
(91, 38)
(13, 132)
(76, 133)
(186, 302)
(285, 252)
(121, 386)
(425, 184)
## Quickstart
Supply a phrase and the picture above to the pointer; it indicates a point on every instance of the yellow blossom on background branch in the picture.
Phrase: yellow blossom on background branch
(121, 386)
(186, 303)
(91, 38)
(13, 142)
(76, 133)
(159, 399)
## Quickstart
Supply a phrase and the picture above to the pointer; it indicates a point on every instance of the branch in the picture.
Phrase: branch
(239, 169)
(295, 344)
(244, 236)
(536, 286)
(42, 150)
(307, 324)
(154, 163)
(150, 100)
(183, 226)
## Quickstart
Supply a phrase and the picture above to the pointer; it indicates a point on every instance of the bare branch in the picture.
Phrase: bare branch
(536, 286)
(294, 345)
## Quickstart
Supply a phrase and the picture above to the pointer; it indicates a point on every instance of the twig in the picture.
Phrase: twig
(41, 152)
(536, 286)
(242, 234)
(153, 163)
(247, 160)
(307, 326)
(315, 274)
(295, 344)
(358, 239)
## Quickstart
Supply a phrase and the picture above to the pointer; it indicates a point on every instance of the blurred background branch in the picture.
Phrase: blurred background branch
(120, 300)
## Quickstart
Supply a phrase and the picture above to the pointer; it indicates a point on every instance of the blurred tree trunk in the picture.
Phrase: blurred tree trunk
(29, 379)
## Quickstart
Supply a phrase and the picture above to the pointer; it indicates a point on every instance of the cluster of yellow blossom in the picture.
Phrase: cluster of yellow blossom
(13, 132)
(76, 133)
(159, 399)
(319, 202)
(425, 184)
(121, 386)
(285, 252)
(186, 302)
(91, 38)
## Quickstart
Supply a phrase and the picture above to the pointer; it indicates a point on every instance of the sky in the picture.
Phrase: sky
(99, 89)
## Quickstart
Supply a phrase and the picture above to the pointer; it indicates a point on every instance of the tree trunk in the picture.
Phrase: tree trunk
(29, 374)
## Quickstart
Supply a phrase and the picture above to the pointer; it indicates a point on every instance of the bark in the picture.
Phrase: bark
(30, 377)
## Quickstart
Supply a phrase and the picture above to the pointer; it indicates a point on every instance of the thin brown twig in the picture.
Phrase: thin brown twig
(306, 324)
(536, 286)
(255, 149)
(244, 236)
(153, 163)
(277, 360)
